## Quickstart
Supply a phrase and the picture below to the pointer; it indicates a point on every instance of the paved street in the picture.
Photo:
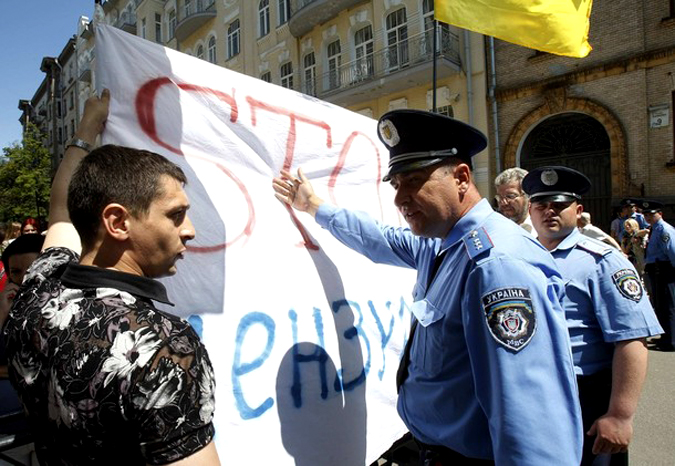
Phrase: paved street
(654, 441)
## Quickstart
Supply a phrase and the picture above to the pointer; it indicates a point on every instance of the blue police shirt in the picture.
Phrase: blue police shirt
(604, 301)
(491, 373)
(661, 246)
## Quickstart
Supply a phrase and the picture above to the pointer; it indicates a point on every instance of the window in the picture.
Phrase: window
(363, 43)
(200, 52)
(264, 17)
(71, 101)
(284, 11)
(212, 49)
(310, 74)
(233, 39)
(443, 34)
(334, 64)
(172, 24)
(158, 28)
(397, 39)
(267, 77)
(446, 110)
(287, 75)
(143, 28)
(188, 8)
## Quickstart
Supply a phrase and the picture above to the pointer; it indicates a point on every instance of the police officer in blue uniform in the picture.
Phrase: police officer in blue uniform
(608, 313)
(629, 211)
(487, 375)
(660, 268)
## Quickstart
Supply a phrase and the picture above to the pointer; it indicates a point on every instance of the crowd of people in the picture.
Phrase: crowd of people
(522, 324)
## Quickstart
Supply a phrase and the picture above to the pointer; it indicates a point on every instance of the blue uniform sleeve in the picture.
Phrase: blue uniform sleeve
(620, 302)
(359, 231)
(668, 243)
(522, 363)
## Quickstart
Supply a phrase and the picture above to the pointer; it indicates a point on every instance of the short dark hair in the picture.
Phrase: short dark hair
(130, 177)
(22, 245)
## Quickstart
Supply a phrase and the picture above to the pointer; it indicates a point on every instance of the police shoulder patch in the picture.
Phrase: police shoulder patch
(510, 317)
(628, 284)
(665, 237)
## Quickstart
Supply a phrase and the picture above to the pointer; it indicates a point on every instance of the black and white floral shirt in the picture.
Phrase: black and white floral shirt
(105, 377)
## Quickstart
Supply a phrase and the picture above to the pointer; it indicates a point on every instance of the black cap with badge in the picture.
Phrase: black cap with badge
(650, 207)
(417, 139)
(628, 202)
(555, 184)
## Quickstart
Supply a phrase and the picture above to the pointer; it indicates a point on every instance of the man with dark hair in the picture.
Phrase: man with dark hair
(486, 373)
(660, 267)
(105, 377)
(608, 313)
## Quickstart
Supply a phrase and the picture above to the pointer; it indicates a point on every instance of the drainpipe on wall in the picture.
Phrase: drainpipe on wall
(469, 74)
(493, 98)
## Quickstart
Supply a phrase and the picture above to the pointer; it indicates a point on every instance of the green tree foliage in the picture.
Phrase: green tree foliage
(25, 178)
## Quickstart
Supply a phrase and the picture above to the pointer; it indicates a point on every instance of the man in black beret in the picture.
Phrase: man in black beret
(487, 363)
(608, 313)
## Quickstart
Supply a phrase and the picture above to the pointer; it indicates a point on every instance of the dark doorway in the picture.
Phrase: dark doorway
(580, 142)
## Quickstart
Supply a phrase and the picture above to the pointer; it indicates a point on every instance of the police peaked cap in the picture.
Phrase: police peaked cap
(555, 184)
(417, 139)
(628, 201)
(650, 207)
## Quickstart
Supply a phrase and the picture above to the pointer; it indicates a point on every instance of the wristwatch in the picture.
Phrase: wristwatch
(82, 144)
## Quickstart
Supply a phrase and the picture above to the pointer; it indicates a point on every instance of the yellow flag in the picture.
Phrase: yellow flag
(554, 26)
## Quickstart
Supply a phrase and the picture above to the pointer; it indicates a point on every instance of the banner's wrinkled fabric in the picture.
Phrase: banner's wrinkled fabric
(554, 26)
(304, 334)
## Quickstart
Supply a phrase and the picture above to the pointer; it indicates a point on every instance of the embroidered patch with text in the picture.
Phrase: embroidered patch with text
(510, 316)
(628, 284)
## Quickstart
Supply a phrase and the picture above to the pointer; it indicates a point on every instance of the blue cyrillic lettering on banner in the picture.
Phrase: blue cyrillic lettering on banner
(241, 368)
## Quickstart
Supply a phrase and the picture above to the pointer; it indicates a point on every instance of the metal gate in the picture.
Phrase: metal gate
(577, 141)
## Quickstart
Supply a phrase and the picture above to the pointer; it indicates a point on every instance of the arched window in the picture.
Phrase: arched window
(233, 39)
(287, 75)
(266, 76)
(397, 39)
(200, 52)
(264, 17)
(363, 45)
(212, 49)
(310, 74)
(334, 64)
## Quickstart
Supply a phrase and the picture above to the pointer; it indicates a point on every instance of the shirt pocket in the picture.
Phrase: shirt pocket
(427, 350)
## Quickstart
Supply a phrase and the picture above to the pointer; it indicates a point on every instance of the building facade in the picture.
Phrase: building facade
(367, 56)
(608, 115)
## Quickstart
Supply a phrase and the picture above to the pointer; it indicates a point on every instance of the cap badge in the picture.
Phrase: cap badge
(549, 177)
(389, 133)
(645, 204)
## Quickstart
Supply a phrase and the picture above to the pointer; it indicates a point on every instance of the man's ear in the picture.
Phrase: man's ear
(462, 174)
(115, 221)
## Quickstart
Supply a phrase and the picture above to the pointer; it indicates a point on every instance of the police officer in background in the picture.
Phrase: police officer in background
(608, 313)
(486, 376)
(629, 211)
(660, 268)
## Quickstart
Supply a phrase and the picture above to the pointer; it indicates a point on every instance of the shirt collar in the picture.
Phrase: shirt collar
(569, 242)
(473, 219)
(85, 276)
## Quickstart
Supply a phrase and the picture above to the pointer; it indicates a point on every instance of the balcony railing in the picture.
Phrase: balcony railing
(192, 16)
(394, 58)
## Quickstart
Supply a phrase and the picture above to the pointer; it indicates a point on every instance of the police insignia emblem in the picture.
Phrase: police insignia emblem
(389, 133)
(645, 205)
(628, 284)
(549, 177)
(510, 317)
(665, 238)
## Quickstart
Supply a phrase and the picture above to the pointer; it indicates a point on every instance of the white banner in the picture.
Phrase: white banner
(304, 334)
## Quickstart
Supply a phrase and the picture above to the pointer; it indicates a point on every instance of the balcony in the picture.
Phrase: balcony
(396, 68)
(192, 16)
(85, 73)
(306, 14)
(127, 22)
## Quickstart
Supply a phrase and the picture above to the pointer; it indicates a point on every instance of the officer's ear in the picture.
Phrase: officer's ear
(462, 175)
(580, 209)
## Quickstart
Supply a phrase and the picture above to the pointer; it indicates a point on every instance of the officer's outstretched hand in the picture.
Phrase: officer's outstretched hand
(612, 434)
(296, 192)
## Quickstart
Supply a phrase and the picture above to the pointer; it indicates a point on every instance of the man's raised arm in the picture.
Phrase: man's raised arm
(61, 231)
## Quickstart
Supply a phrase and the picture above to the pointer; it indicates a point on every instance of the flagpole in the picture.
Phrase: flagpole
(435, 48)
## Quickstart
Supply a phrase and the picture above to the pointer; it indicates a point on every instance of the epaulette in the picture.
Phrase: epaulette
(594, 247)
(477, 242)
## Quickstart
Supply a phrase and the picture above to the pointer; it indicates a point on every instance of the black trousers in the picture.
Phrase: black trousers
(594, 393)
(435, 455)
